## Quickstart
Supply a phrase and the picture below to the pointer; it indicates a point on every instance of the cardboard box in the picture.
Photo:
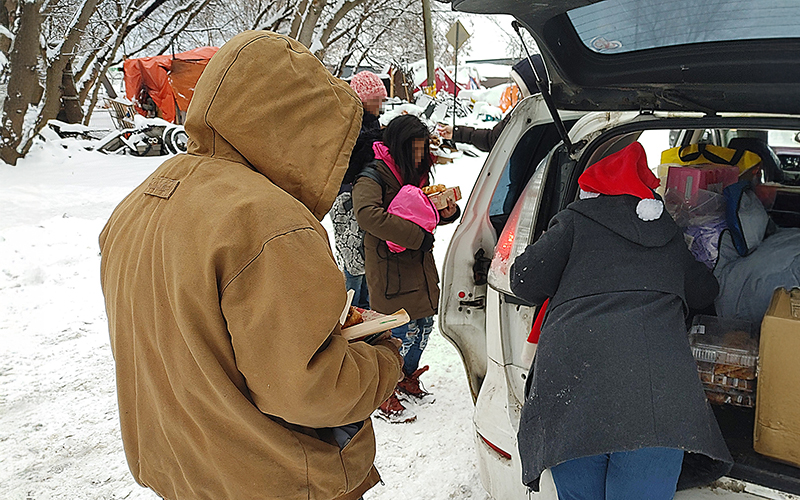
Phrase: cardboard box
(440, 199)
(777, 428)
(688, 179)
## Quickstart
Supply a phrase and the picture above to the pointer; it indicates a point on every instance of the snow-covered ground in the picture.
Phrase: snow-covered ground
(59, 432)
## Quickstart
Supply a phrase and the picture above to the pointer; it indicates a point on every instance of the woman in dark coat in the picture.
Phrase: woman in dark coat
(408, 279)
(614, 404)
(348, 237)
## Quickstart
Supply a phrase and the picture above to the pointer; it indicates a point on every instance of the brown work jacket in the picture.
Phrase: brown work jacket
(223, 297)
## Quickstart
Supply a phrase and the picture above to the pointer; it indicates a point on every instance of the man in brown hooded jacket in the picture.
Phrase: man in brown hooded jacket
(223, 297)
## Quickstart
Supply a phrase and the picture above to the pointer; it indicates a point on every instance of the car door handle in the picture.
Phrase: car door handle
(477, 303)
(480, 269)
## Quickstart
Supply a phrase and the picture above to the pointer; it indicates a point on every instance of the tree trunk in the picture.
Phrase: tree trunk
(297, 21)
(5, 42)
(306, 35)
(70, 111)
(23, 84)
(55, 67)
(337, 17)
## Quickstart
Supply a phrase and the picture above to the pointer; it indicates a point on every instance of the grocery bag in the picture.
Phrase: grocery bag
(413, 205)
(699, 154)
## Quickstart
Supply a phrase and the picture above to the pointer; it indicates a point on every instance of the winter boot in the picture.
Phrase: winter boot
(393, 411)
(411, 386)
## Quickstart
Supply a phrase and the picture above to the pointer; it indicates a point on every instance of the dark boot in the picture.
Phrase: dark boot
(411, 386)
(393, 411)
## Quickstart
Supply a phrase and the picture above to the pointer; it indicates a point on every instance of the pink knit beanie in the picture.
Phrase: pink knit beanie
(368, 85)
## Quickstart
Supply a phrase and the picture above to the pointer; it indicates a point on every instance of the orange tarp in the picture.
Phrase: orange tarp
(509, 98)
(168, 79)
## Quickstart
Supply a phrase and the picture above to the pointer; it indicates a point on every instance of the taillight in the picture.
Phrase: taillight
(516, 234)
(498, 450)
(505, 244)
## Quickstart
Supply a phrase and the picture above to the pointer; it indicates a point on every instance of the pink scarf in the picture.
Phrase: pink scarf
(382, 153)
(410, 203)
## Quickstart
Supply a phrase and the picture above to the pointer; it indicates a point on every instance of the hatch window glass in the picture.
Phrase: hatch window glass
(618, 26)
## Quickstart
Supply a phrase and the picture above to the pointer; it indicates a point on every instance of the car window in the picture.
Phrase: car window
(517, 171)
(532, 148)
(783, 138)
(786, 145)
(618, 26)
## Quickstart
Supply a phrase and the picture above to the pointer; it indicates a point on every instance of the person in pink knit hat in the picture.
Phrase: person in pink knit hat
(370, 90)
(348, 236)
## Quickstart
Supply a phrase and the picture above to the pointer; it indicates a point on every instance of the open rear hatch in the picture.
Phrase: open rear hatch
(736, 422)
(711, 57)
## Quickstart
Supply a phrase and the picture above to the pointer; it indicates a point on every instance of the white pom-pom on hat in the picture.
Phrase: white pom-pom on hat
(625, 172)
(649, 209)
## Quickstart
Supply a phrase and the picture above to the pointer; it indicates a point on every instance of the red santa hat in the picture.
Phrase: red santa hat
(624, 172)
(368, 85)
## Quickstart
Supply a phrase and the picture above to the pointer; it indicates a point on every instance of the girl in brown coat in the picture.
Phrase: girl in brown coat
(406, 279)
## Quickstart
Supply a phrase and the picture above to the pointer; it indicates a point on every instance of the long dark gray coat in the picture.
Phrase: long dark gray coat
(613, 369)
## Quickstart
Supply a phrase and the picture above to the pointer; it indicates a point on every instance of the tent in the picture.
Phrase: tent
(444, 82)
(168, 80)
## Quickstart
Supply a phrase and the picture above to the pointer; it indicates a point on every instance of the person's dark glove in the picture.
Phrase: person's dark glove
(427, 242)
(453, 217)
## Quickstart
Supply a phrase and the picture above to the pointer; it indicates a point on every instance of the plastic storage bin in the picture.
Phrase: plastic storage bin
(724, 341)
(726, 352)
(733, 397)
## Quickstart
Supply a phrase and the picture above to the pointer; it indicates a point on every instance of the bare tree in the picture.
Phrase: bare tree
(111, 24)
(39, 38)
(29, 104)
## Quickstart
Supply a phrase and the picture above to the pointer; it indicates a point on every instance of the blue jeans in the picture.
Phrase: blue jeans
(414, 336)
(647, 473)
(359, 285)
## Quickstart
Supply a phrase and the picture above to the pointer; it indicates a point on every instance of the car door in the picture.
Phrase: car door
(526, 139)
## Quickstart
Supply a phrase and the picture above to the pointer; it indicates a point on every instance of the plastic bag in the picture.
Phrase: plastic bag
(704, 240)
(702, 221)
(695, 154)
(704, 206)
(413, 205)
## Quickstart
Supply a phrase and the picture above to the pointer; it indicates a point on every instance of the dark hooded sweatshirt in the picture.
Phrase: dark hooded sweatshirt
(613, 369)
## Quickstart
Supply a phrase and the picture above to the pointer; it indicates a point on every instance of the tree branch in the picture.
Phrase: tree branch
(186, 23)
(165, 31)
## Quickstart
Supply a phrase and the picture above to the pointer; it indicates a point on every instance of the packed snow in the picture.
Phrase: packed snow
(59, 428)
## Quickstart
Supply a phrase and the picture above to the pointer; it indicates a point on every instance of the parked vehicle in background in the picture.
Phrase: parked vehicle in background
(620, 71)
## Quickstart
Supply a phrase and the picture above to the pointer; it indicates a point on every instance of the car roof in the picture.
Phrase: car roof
(712, 56)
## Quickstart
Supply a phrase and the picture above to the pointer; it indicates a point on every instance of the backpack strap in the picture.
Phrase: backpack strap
(371, 172)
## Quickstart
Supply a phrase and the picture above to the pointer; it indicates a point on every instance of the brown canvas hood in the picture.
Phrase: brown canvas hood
(265, 100)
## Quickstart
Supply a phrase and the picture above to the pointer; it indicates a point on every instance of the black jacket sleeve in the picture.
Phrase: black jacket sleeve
(362, 151)
(482, 138)
(700, 285)
(536, 273)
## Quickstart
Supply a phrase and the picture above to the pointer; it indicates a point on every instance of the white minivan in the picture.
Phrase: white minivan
(722, 72)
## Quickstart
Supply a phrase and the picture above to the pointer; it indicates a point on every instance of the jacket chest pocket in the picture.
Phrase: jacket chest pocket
(403, 273)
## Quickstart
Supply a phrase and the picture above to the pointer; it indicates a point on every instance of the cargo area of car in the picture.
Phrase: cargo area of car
(731, 372)
(737, 428)
(731, 383)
